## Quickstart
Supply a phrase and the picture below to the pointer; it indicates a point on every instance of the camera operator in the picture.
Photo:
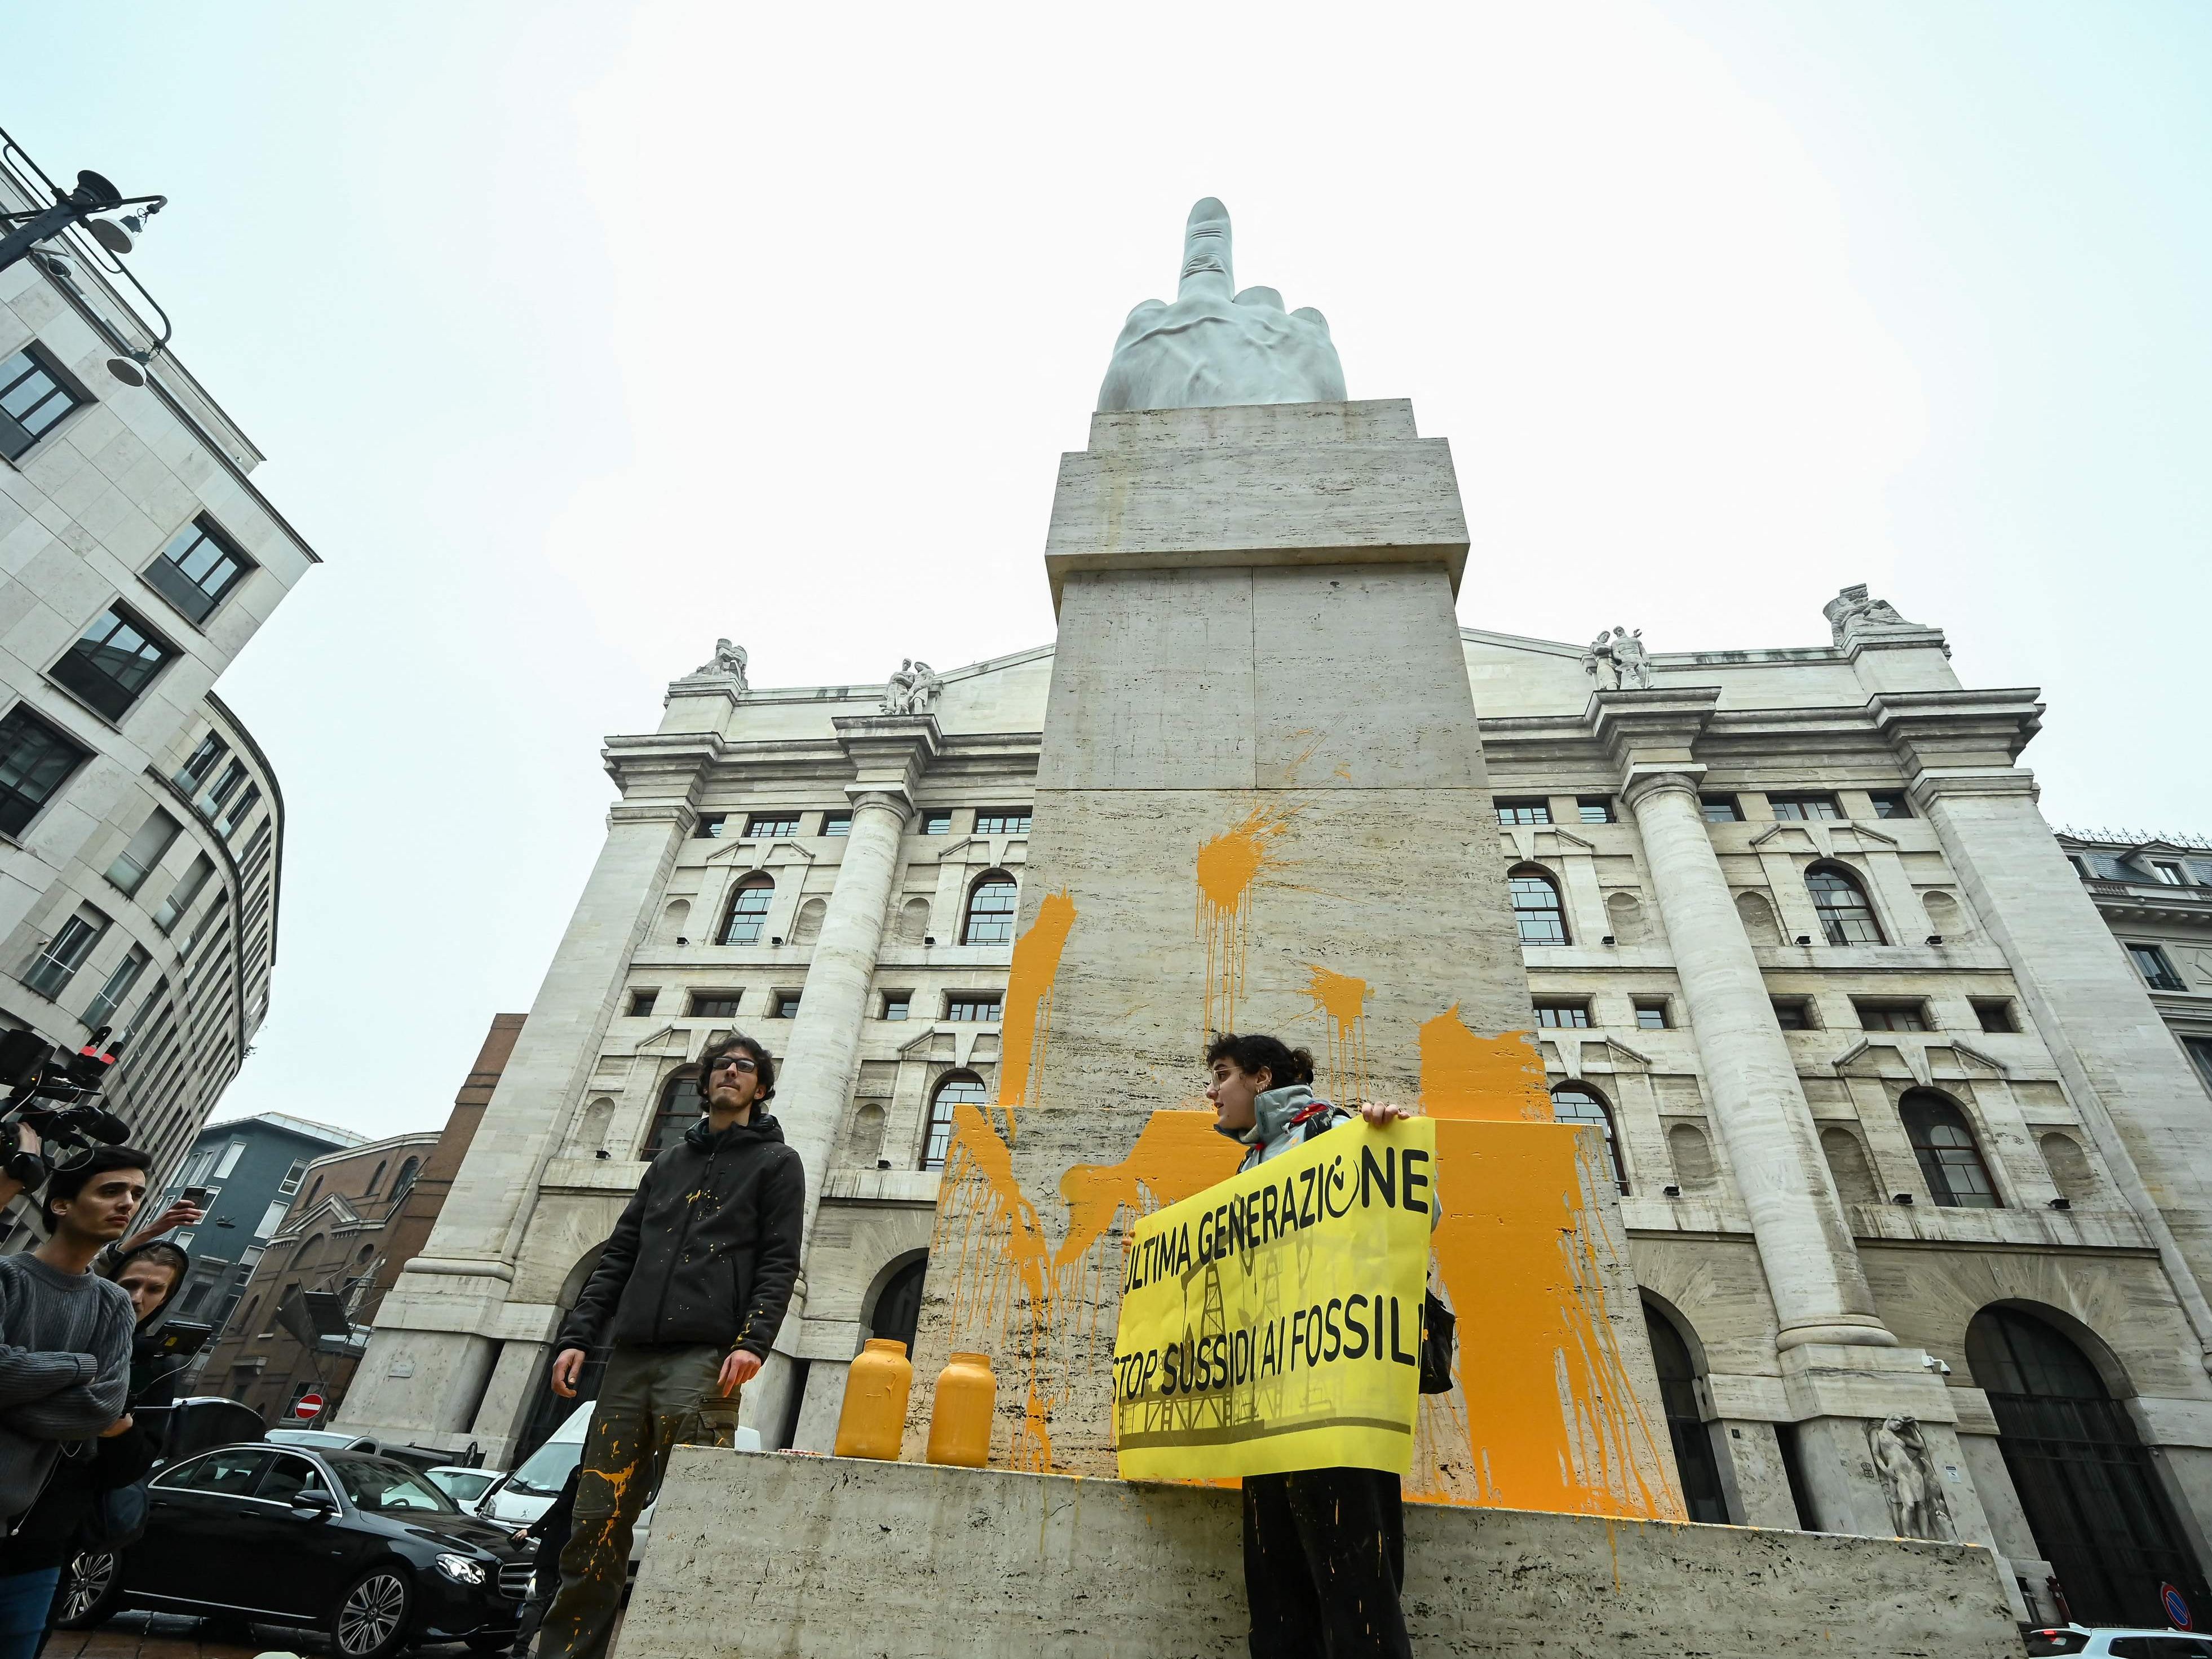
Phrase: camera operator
(65, 1366)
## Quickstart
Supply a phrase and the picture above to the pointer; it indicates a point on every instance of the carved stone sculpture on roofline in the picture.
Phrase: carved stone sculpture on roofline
(728, 661)
(1211, 346)
(1618, 661)
(913, 689)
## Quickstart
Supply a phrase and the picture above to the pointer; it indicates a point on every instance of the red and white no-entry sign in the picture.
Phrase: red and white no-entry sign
(309, 1404)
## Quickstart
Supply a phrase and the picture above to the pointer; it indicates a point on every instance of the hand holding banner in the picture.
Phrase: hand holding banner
(1274, 1322)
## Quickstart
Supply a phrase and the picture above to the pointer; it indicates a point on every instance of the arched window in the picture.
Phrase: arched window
(406, 1183)
(1578, 1102)
(246, 1326)
(682, 1105)
(898, 1304)
(990, 918)
(1845, 916)
(375, 1180)
(1950, 1162)
(954, 1088)
(748, 910)
(1536, 906)
(313, 1186)
(1686, 1419)
(2092, 1498)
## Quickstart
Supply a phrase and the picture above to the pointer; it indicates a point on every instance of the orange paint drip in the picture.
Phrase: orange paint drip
(1229, 867)
(1497, 1079)
(1545, 1418)
(1177, 1156)
(1342, 1000)
(1029, 1004)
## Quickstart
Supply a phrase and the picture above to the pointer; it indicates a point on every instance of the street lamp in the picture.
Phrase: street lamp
(92, 196)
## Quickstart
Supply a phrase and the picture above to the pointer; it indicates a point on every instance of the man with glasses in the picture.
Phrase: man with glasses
(688, 1296)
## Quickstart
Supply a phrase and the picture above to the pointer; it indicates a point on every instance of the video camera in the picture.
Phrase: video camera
(52, 1090)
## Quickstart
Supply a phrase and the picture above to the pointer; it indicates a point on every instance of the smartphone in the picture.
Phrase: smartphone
(196, 1196)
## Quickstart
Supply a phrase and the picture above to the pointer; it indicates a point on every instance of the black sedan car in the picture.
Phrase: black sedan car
(359, 1546)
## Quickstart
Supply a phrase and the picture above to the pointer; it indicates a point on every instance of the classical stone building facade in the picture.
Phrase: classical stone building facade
(1807, 884)
(141, 828)
(2155, 894)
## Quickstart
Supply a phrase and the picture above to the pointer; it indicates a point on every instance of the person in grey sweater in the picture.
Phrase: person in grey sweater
(64, 1360)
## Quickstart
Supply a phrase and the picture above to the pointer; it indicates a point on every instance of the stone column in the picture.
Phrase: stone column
(2138, 1098)
(439, 1330)
(1812, 1267)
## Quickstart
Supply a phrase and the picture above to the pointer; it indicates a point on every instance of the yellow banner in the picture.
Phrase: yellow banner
(1274, 1322)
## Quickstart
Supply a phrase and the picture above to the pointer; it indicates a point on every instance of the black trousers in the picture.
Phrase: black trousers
(1324, 1561)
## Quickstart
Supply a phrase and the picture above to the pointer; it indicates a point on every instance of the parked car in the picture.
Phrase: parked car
(362, 1548)
(418, 1458)
(2098, 1642)
(465, 1486)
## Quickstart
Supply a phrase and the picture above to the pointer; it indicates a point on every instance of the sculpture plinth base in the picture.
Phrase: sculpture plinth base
(773, 1554)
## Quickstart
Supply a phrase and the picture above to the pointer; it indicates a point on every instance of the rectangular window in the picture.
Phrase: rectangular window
(2080, 868)
(715, 1005)
(971, 1004)
(1594, 809)
(1793, 1014)
(182, 895)
(272, 1218)
(231, 1154)
(32, 396)
(937, 824)
(2168, 872)
(1890, 806)
(1007, 821)
(1805, 806)
(55, 966)
(709, 826)
(198, 569)
(836, 824)
(133, 862)
(199, 765)
(896, 1004)
(113, 660)
(2158, 973)
(1524, 812)
(1561, 1012)
(290, 1183)
(787, 1006)
(1650, 1016)
(225, 786)
(2200, 1050)
(1996, 1015)
(1721, 809)
(771, 823)
(103, 1007)
(1892, 1017)
(641, 1001)
(35, 761)
(229, 823)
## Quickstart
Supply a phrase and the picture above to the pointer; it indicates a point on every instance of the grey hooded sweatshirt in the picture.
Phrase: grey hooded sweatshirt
(64, 1369)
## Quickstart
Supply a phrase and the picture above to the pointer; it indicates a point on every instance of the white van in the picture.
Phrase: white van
(528, 1492)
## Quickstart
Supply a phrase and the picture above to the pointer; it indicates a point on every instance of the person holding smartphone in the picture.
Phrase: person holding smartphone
(689, 1292)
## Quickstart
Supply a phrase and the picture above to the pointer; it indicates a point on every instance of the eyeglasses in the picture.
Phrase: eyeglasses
(733, 1063)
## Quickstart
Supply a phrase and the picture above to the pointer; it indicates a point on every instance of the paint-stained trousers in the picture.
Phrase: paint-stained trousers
(651, 1400)
(1324, 1560)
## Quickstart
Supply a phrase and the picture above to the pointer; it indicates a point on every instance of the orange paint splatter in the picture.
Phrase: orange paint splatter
(1178, 1155)
(1229, 867)
(1029, 1004)
(1545, 1418)
(1342, 1000)
(1497, 1079)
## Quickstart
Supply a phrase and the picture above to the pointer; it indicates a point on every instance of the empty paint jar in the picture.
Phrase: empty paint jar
(960, 1419)
(873, 1419)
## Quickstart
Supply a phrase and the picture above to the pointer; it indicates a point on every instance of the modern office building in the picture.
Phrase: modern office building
(142, 829)
(360, 1216)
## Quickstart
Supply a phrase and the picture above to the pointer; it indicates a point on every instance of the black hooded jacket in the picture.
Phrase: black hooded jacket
(708, 1251)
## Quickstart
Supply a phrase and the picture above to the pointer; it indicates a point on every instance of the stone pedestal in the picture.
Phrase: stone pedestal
(920, 1563)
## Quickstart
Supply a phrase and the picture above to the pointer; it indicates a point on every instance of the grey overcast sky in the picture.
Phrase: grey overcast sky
(580, 334)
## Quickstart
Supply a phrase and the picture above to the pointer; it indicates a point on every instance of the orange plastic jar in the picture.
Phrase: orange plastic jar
(960, 1418)
(873, 1419)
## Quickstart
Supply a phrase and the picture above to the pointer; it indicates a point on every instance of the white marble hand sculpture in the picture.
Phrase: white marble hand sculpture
(1211, 346)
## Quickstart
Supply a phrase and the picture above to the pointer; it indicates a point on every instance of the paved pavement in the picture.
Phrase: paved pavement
(164, 1636)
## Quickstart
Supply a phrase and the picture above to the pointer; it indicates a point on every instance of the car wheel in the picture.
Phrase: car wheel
(91, 1589)
(371, 1616)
